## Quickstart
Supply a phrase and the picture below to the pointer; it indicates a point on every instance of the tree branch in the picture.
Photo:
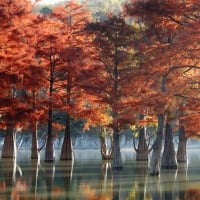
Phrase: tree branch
(181, 67)
(174, 20)
(186, 97)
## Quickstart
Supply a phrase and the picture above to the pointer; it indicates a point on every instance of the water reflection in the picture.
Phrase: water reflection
(11, 180)
(34, 171)
(95, 180)
(138, 189)
(181, 178)
(107, 179)
(168, 184)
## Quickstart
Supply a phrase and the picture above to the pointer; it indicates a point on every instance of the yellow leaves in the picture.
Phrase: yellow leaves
(93, 111)
(148, 121)
(95, 117)
(133, 127)
(88, 192)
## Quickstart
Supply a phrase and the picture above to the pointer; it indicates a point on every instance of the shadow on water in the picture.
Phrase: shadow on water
(96, 180)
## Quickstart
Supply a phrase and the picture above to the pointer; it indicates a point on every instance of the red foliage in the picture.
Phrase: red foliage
(169, 60)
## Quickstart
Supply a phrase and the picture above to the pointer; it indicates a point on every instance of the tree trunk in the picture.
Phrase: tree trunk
(9, 147)
(182, 151)
(66, 151)
(34, 147)
(117, 161)
(106, 152)
(49, 153)
(169, 156)
(157, 148)
(142, 150)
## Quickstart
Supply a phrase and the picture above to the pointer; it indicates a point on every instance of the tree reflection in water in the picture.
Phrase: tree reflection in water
(107, 178)
(66, 172)
(138, 190)
(12, 183)
(168, 186)
(192, 194)
(107, 184)
(35, 164)
(181, 178)
(96, 181)
(35, 182)
(55, 191)
(49, 177)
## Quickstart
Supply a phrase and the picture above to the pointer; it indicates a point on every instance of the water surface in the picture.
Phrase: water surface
(88, 178)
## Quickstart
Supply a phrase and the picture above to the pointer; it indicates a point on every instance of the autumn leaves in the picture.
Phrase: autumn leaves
(104, 72)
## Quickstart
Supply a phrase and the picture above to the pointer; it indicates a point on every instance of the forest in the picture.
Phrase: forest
(136, 69)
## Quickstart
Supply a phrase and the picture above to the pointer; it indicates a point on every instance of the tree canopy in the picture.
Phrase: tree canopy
(105, 71)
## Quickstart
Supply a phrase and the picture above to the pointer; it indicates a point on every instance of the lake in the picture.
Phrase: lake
(88, 178)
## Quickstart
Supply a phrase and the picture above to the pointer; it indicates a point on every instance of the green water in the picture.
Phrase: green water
(91, 179)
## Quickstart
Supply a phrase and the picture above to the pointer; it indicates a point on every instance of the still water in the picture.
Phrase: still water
(88, 178)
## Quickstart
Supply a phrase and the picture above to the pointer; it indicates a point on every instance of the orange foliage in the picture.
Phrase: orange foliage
(77, 60)
(57, 192)
(169, 58)
(104, 73)
(112, 78)
(18, 63)
(20, 187)
(91, 193)
(192, 194)
(2, 186)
